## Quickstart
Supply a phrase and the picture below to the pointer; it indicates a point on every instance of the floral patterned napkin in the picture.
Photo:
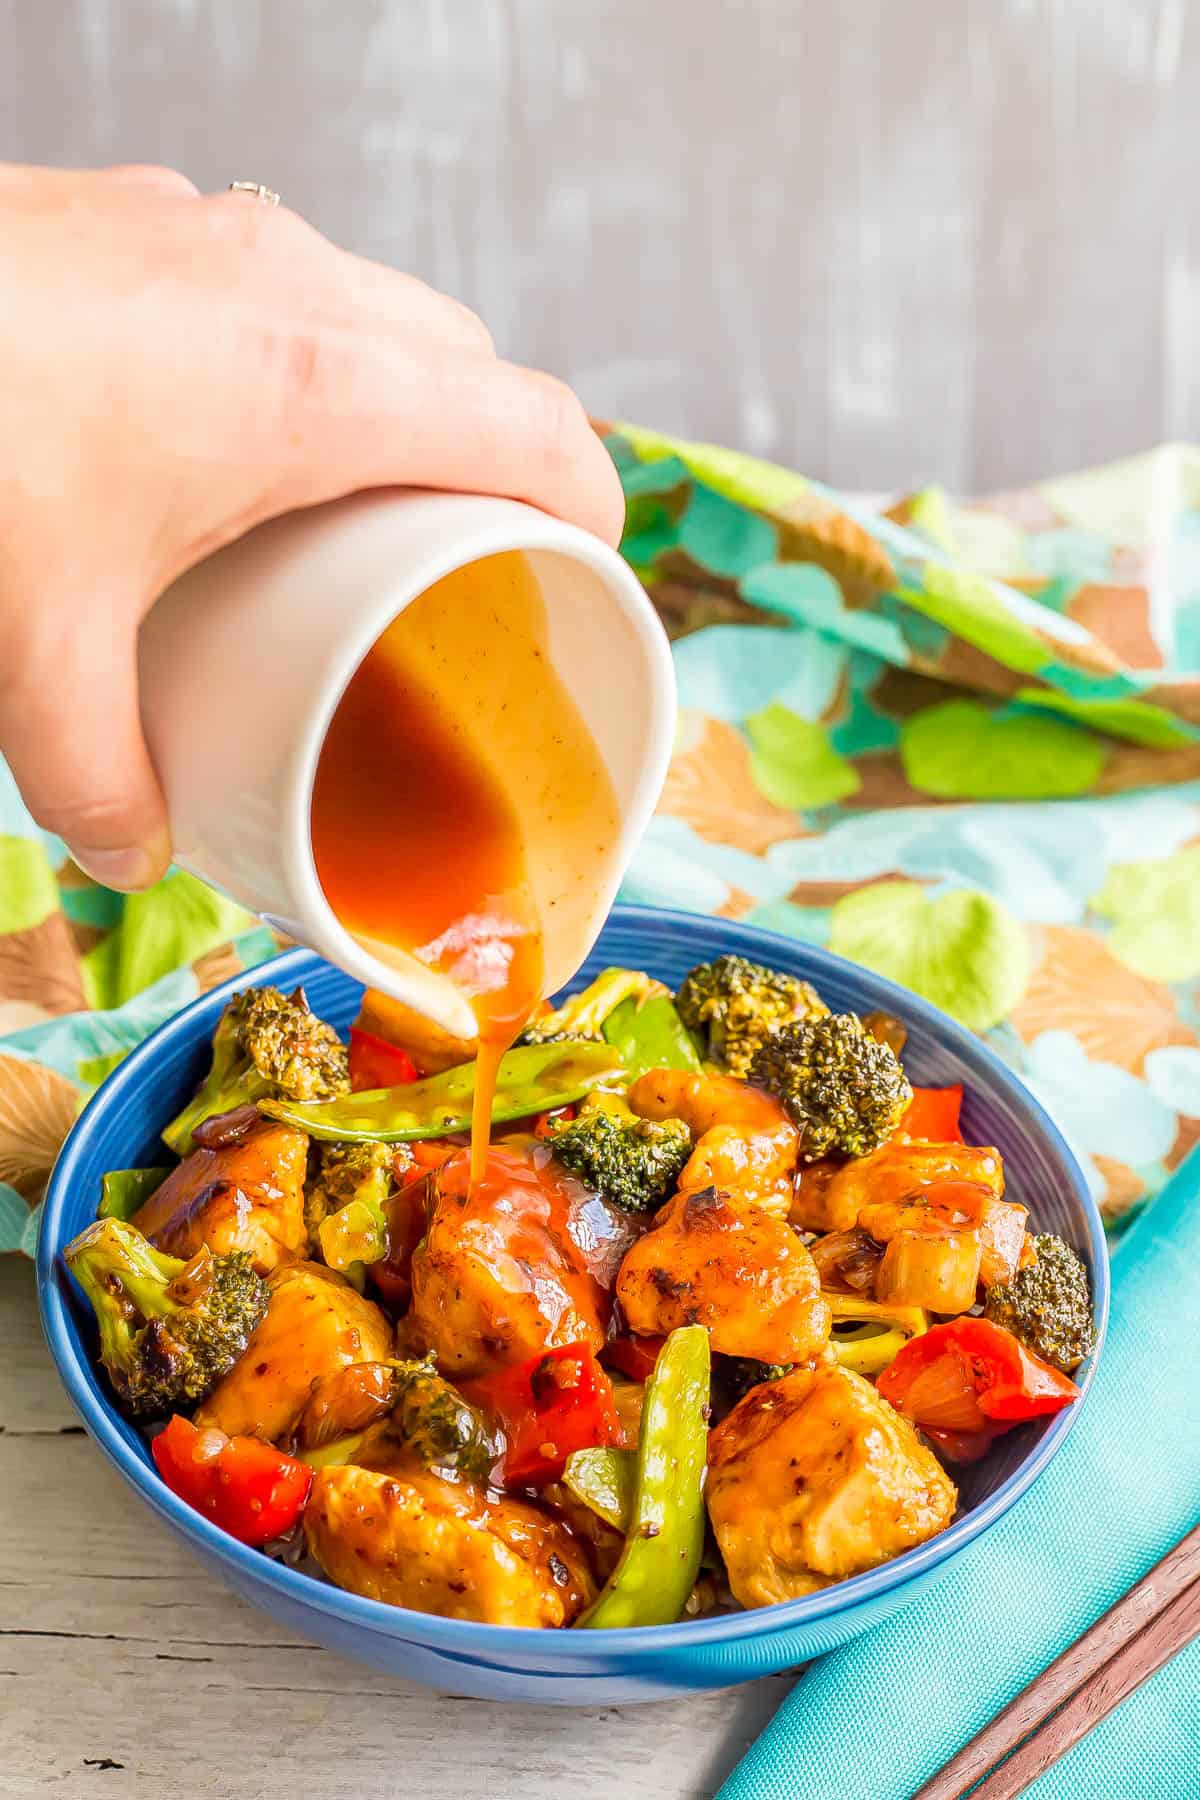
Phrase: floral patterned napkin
(959, 743)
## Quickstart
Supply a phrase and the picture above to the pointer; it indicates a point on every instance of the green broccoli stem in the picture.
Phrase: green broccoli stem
(113, 1264)
(242, 1086)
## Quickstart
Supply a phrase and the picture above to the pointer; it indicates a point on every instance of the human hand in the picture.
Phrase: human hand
(174, 369)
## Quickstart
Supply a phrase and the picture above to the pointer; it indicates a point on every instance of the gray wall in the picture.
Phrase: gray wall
(886, 240)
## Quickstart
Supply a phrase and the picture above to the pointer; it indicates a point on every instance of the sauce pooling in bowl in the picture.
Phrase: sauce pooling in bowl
(461, 811)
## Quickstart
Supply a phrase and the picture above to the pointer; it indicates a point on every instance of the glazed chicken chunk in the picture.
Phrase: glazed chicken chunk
(497, 1277)
(814, 1477)
(410, 1537)
(247, 1194)
(830, 1195)
(315, 1324)
(739, 1270)
(745, 1144)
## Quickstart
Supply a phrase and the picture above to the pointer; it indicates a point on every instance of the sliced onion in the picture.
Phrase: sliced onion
(225, 1128)
(886, 1029)
(847, 1260)
(942, 1397)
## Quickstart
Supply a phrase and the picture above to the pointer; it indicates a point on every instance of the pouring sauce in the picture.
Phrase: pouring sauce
(461, 811)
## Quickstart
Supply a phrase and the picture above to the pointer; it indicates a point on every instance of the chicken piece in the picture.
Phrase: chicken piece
(315, 1324)
(409, 1537)
(830, 1196)
(737, 1269)
(956, 1207)
(746, 1144)
(244, 1194)
(498, 1277)
(814, 1477)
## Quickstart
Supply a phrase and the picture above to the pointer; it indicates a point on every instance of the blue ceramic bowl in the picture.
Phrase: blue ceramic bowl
(119, 1129)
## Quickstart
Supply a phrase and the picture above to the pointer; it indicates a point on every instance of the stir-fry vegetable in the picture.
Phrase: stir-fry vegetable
(169, 1329)
(932, 1115)
(250, 1490)
(582, 1017)
(870, 1334)
(123, 1191)
(266, 1044)
(605, 1480)
(632, 1355)
(972, 1379)
(534, 1079)
(734, 1005)
(559, 1402)
(665, 1538)
(633, 1162)
(844, 1090)
(376, 1063)
(649, 1034)
(1047, 1305)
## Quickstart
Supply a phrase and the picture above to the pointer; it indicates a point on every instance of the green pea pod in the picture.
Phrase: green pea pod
(605, 1481)
(534, 1079)
(650, 1035)
(665, 1540)
(123, 1191)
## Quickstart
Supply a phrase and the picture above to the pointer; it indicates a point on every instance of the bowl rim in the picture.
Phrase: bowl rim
(247, 1565)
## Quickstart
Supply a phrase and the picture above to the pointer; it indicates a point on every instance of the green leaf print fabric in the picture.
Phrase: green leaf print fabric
(957, 742)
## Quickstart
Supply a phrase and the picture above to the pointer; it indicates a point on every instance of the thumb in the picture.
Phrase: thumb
(72, 735)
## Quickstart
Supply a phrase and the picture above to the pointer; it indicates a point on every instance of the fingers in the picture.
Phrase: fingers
(147, 175)
(360, 410)
(380, 380)
(370, 291)
(70, 731)
(324, 286)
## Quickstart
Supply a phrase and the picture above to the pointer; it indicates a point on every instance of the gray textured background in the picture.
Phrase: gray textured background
(886, 240)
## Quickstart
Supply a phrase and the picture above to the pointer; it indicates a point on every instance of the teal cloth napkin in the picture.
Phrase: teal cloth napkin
(875, 1719)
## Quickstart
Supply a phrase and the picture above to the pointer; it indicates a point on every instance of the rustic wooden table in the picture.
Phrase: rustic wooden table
(126, 1673)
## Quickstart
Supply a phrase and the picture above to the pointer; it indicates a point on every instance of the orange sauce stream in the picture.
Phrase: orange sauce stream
(432, 797)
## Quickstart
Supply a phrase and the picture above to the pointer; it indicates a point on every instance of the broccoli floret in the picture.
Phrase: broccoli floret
(734, 1005)
(581, 1018)
(169, 1330)
(1048, 1305)
(345, 1202)
(266, 1044)
(347, 1172)
(633, 1162)
(844, 1089)
(437, 1425)
(739, 1374)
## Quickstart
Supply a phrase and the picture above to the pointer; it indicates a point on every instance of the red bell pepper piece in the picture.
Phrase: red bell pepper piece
(633, 1355)
(374, 1063)
(932, 1115)
(249, 1489)
(547, 1123)
(547, 1408)
(970, 1377)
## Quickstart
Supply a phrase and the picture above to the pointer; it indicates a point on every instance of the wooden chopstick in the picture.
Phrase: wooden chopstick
(1146, 1627)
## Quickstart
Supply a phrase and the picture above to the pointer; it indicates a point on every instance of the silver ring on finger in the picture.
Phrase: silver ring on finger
(267, 195)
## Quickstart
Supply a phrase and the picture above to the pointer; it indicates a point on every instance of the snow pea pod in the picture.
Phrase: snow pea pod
(533, 1079)
(123, 1191)
(650, 1035)
(665, 1539)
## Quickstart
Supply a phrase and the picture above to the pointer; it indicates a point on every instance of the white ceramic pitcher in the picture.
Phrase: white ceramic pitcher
(244, 660)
